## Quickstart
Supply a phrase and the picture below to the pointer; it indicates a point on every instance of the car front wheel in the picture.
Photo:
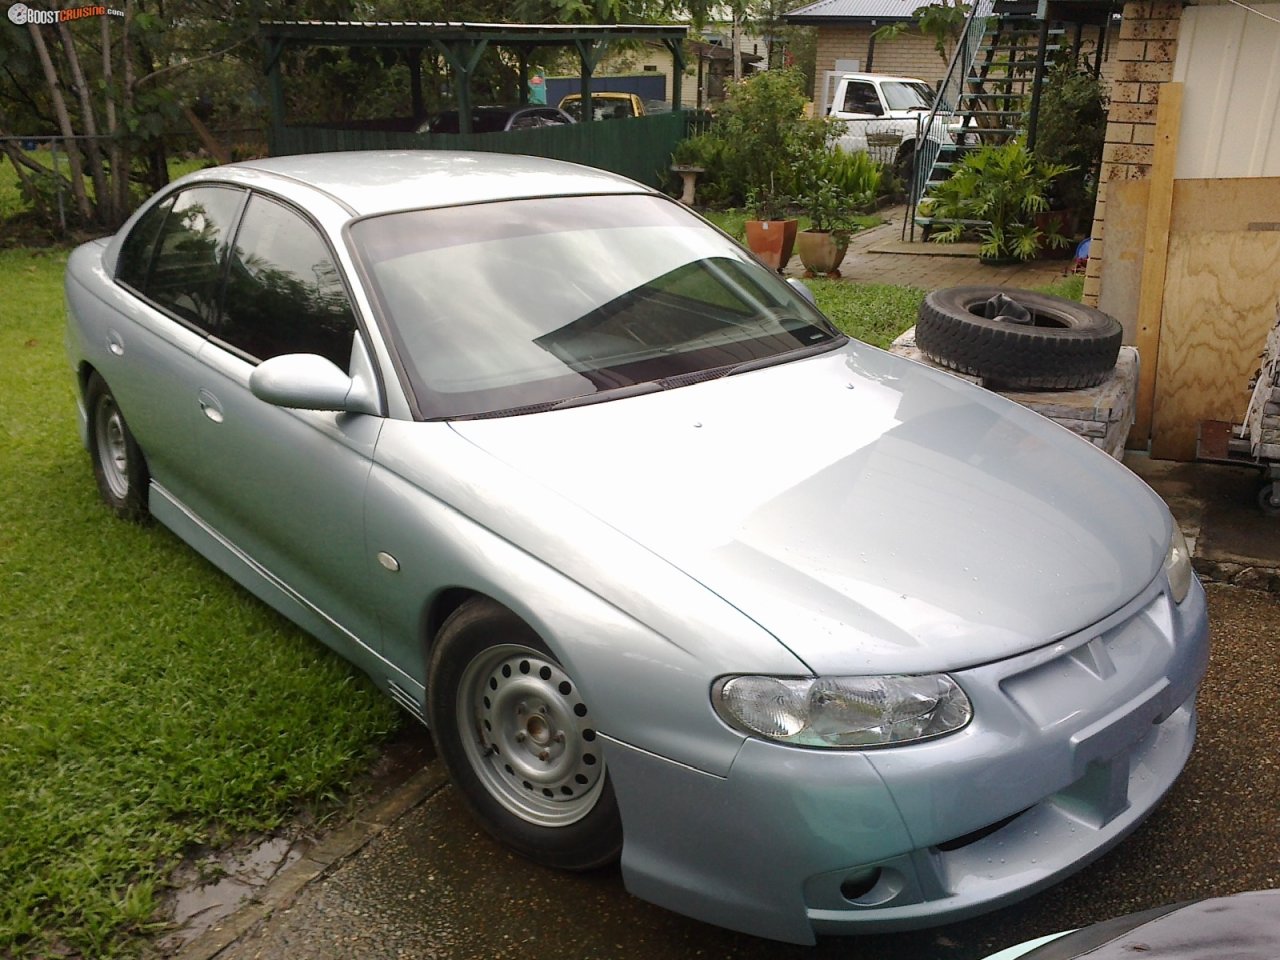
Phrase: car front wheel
(118, 465)
(519, 740)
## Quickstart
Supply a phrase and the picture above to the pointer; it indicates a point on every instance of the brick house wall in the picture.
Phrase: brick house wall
(1143, 58)
(910, 55)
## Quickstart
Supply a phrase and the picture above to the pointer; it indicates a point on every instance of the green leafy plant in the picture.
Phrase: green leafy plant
(1071, 129)
(767, 204)
(830, 210)
(940, 22)
(1005, 187)
(762, 137)
(708, 152)
(836, 186)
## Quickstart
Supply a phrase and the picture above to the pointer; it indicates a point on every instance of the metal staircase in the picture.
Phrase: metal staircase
(984, 97)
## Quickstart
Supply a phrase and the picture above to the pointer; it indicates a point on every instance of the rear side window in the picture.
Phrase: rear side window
(135, 253)
(284, 293)
(186, 268)
(537, 118)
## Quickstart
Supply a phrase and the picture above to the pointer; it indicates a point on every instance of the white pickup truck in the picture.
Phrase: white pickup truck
(884, 115)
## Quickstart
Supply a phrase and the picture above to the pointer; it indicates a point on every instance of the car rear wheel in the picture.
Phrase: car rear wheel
(118, 465)
(519, 740)
(904, 164)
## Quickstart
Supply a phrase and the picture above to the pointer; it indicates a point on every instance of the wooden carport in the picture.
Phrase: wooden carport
(462, 45)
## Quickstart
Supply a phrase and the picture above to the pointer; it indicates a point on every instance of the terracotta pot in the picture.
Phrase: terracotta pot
(821, 252)
(772, 240)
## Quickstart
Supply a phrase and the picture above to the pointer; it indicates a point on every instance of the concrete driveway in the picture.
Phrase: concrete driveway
(414, 878)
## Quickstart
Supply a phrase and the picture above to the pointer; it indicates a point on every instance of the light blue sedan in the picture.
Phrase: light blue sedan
(817, 639)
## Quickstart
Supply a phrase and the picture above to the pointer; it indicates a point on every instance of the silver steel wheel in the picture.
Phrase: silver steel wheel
(528, 736)
(113, 449)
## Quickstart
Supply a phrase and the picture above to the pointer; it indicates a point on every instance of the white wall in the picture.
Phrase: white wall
(1229, 61)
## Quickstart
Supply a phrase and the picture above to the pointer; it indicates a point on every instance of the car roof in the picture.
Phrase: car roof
(378, 181)
(883, 76)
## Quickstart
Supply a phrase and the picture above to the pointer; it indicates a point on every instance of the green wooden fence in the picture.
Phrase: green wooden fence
(639, 148)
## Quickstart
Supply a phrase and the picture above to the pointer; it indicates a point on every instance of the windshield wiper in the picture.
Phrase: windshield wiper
(614, 393)
(798, 354)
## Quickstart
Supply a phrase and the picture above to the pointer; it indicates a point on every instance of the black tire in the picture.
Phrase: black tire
(519, 742)
(1067, 346)
(118, 464)
(904, 165)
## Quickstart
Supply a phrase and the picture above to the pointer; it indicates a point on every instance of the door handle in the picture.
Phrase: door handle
(210, 406)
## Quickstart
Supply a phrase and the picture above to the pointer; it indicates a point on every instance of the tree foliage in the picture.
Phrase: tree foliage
(940, 22)
(113, 87)
(1071, 129)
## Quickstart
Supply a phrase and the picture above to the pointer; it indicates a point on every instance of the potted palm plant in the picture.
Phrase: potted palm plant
(1004, 188)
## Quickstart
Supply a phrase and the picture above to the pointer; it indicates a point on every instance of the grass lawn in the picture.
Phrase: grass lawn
(876, 313)
(12, 203)
(147, 704)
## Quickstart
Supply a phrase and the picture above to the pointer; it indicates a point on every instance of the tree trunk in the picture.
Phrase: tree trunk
(156, 156)
(64, 122)
(126, 104)
(736, 46)
(90, 123)
(119, 170)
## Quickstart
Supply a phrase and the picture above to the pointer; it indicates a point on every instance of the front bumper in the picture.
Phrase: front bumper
(1071, 747)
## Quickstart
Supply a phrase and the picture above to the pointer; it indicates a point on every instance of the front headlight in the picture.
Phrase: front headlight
(843, 711)
(1178, 566)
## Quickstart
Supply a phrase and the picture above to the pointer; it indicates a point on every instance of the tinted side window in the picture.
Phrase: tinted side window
(861, 97)
(187, 266)
(135, 253)
(284, 294)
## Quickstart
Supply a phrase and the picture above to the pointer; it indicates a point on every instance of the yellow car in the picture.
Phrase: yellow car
(605, 105)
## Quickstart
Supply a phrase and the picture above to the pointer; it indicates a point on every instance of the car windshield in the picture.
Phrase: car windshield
(907, 96)
(520, 305)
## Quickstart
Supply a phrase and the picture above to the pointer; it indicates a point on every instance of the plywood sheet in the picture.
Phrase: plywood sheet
(1223, 206)
(1122, 252)
(1220, 301)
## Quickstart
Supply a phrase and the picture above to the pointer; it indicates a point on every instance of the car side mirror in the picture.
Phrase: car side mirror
(306, 381)
(802, 288)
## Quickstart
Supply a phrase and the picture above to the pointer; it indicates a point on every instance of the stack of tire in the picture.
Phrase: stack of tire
(1018, 339)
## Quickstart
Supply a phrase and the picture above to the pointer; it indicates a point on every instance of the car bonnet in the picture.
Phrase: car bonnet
(871, 513)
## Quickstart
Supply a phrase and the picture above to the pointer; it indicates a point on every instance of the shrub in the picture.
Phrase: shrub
(754, 147)
(855, 175)
(1070, 130)
(708, 152)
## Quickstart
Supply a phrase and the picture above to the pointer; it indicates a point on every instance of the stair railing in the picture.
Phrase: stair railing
(933, 131)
